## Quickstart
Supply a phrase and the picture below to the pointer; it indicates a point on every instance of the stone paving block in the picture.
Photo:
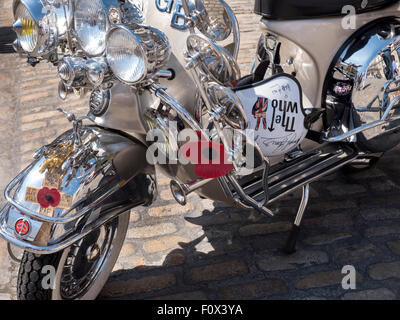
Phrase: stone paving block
(298, 260)
(254, 290)
(382, 231)
(127, 250)
(5, 296)
(165, 243)
(381, 213)
(166, 195)
(138, 286)
(385, 270)
(330, 220)
(218, 271)
(5, 274)
(322, 279)
(385, 185)
(328, 205)
(193, 295)
(394, 246)
(326, 238)
(129, 262)
(374, 294)
(215, 219)
(174, 259)
(170, 210)
(263, 229)
(346, 189)
(151, 231)
(134, 216)
(356, 252)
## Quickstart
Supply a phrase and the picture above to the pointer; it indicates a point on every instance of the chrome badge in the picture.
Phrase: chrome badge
(174, 7)
(22, 227)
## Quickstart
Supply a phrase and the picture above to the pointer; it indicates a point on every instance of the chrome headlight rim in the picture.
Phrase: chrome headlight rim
(35, 10)
(140, 47)
(78, 38)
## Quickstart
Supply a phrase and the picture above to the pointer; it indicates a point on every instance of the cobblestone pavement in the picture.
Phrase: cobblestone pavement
(208, 251)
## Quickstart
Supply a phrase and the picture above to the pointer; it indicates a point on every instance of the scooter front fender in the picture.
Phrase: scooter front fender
(70, 190)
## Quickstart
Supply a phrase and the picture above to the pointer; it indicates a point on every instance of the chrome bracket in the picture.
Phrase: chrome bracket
(386, 118)
(247, 201)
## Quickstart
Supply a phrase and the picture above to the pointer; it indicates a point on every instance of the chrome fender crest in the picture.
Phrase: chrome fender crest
(275, 112)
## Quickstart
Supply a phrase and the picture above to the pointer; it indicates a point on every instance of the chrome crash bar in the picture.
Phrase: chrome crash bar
(384, 120)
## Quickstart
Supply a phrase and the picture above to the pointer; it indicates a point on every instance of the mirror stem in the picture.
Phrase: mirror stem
(209, 106)
(189, 21)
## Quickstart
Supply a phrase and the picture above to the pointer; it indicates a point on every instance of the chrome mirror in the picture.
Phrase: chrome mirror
(213, 60)
(228, 106)
(214, 19)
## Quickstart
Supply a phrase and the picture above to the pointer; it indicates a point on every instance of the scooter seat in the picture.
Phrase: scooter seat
(306, 9)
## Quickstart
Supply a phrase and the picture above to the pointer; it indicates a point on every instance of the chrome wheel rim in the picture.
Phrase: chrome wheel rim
(85, 261)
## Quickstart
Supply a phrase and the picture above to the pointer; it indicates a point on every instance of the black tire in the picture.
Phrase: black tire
(31, 275)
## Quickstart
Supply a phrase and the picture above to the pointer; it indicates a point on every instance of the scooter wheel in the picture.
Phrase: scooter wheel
(76, 273)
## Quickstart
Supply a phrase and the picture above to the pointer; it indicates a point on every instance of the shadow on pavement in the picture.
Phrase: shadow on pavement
(7, 37)
(239, 256)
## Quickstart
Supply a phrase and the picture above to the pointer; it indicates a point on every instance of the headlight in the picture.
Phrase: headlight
(136, 53)
(126, 56)
(35, 26)
(26, 27)
(91, 25)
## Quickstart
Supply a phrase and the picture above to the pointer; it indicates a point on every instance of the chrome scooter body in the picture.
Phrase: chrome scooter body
(309, 47)
(317, 50)
(307, 55)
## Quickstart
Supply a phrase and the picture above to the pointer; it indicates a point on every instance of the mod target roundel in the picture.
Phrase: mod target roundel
(22, 227)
